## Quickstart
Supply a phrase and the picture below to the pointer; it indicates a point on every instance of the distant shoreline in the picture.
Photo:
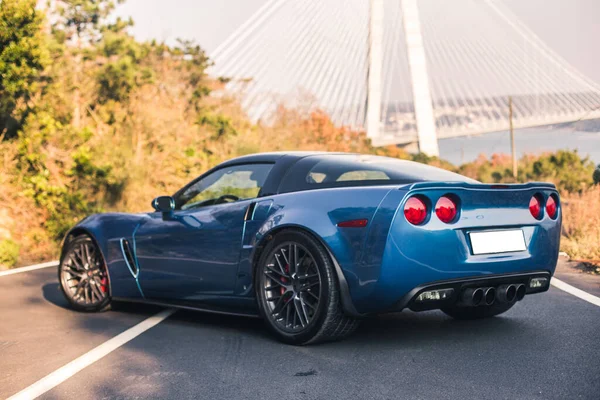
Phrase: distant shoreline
(528, 141)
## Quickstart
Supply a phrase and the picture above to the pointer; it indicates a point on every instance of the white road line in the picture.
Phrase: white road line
(29, 268)
(62, 374)
(575, 292)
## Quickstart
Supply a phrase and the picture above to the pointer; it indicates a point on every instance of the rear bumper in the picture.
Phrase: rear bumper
(398, 282)
(417, 257)
(458, 286)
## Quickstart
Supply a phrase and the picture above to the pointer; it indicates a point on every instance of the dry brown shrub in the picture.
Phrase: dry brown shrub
(581, 225)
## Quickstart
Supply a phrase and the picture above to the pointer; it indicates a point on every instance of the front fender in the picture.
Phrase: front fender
(106, 230)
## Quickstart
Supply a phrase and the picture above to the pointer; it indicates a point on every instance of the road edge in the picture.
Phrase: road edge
(572, 290)
(13, 271)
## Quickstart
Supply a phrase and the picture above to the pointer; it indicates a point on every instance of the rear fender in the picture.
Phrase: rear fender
(318, 213)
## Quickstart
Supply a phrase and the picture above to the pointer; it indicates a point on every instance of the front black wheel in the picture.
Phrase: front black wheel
(469, 313)
(83, 275)
(298, 291)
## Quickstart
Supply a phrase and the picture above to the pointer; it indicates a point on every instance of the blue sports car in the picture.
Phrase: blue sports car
(311, 242)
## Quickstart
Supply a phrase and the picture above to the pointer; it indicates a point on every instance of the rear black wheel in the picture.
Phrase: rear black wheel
(83, 275)
(298, 292)
(469, 313)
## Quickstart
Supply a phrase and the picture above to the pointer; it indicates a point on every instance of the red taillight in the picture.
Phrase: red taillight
(415, 210)
(446, 209)
(535, 207)
(355, 223)
(551, 207)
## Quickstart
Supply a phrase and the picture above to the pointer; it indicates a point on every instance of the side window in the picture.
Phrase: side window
(225, 185)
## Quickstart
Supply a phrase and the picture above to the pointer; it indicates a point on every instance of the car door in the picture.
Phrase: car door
(192, 254)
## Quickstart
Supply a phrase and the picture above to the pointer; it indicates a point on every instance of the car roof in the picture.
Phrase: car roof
(275, 155)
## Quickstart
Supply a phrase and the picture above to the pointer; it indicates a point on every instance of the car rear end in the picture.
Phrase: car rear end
(468, 244)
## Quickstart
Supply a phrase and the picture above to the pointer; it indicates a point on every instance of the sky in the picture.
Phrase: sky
(569, 27)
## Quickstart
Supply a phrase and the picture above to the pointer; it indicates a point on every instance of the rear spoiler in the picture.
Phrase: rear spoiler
(479, 186)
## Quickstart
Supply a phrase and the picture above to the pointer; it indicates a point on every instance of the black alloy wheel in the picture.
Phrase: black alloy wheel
(83, 275)
(292, 286)
(298, 291)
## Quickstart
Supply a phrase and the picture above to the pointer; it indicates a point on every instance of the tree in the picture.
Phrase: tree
(23, 56)
(596, 175)
(81, 22)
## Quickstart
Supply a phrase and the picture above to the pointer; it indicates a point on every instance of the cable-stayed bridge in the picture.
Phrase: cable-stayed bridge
(406, 71)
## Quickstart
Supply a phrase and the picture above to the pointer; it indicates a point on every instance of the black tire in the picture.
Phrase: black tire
(470, 313)
(282, 291)
(83, 276)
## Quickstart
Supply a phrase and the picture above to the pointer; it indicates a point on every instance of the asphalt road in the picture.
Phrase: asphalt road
(546, 347)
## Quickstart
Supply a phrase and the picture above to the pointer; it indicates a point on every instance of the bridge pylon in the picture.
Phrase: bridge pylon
(417, 62)
(424, 116)
(375, 78)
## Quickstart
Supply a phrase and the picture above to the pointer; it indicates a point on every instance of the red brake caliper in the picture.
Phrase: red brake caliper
(284, 280)
(103, 283)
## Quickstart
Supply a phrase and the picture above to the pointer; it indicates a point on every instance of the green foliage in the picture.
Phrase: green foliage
(94, 179)
(83, 17)
(38, 128)
(124, 68)
(220, 125)
(23, 56)
(566, 169)
(64, 206)
(9, 252)
(116, 80)
(72, 197)
(195, 62)
(596, 175)
(119, 44)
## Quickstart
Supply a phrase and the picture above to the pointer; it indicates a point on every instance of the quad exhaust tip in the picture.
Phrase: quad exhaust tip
(486, 296)
(473, 297)
(506, 293)
(521, 289)
(489, 296)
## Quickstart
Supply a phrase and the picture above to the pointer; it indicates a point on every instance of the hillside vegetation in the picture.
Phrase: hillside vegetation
(92, 120)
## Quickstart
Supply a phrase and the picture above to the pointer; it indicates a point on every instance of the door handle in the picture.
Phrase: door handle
(190, 221)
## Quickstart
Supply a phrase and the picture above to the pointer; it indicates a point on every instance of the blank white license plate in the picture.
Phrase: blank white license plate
(497, 241)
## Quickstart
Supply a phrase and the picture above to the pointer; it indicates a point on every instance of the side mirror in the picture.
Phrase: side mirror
(163, 204)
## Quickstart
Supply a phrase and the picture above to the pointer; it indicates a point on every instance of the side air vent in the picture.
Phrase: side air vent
(128, 256)
(250, 212)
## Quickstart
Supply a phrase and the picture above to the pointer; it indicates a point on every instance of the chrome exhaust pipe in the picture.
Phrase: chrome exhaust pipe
(489, 295)
(521, 289)
(506, 293)
(472, 297)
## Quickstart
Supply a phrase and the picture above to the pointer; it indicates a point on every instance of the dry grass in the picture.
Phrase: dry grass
(581, 225)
